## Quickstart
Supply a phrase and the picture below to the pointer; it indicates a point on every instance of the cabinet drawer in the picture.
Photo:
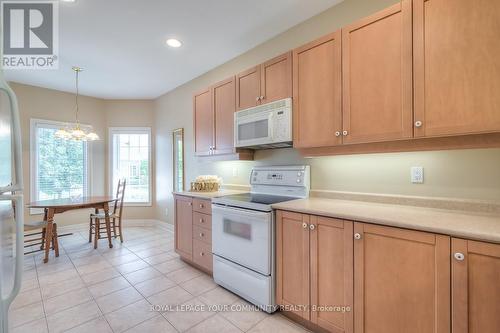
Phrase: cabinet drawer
(202, 206)
(202, 220)
(202, 234)
(202, 254)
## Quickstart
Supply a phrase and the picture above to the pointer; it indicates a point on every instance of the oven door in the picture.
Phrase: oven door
(253, 129)
(243, 236)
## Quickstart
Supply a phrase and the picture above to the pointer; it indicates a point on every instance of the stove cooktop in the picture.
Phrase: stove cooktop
(252, 200)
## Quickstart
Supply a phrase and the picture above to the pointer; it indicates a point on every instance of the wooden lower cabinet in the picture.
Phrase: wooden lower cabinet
(193, 231)
(314, 269)
(184, 226)
(475, 287)
(292, 259)
(331, 273)
(401, 280)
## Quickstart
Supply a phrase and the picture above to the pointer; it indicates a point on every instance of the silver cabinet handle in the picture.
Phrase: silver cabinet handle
(201, 234)
(459, 256)
(190, 204)
(201, 206)
(201, 221)
(418, 123)
(344, 133)
(357, 236)
(337, 133)
(312, 227)
(202, 254)
(304, 225)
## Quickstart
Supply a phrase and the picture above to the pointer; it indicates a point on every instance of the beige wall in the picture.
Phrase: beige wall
(465, 174)
(47, 104)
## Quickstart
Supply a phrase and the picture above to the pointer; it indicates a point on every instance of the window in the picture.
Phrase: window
(178, 155)
(59, 168)
(130, 158)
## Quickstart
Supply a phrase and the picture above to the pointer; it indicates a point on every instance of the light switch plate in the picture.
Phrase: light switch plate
(417, 175)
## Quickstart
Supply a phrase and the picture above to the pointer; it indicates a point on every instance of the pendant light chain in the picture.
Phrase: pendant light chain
(76, 133)
(77, 70)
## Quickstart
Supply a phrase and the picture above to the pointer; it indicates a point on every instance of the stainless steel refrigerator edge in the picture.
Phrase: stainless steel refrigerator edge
(11, 198)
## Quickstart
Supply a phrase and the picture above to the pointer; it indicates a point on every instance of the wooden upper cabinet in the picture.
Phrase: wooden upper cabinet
(184, 226)
(276, 78)
(401, 280)
(456, 66)
(224, 107)
(475, 287)
(248, 88)
(317, 93)
(377, 76)
(265, 83)
(292, 262)
(203, 122)
(331, 273)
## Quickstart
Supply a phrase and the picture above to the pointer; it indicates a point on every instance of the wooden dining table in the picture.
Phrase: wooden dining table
(58, 206)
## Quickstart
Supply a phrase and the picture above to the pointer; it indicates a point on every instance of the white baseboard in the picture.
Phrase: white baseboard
(126, 223)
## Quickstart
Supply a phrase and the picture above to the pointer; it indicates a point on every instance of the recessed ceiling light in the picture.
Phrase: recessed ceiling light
(68, 0)
(172, 42)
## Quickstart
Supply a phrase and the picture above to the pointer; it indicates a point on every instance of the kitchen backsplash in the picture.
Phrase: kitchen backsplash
(470, 174)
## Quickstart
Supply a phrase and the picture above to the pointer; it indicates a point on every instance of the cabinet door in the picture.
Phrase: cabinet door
(224, 108)
(401, 281)
(184, 226)
(276, 78)
(292, 262)
(317, 117)
(248, 88)
(203, 122)
(475, 287)
(456, 66)
(377, 76)
(332, 273)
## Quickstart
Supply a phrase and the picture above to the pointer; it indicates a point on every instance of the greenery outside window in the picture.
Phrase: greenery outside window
(59, 168)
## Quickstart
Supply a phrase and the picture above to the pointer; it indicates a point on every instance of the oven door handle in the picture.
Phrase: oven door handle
(240, 211)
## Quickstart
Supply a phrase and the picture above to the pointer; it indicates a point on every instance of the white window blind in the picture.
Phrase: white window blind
(59, 168)
(130, 157)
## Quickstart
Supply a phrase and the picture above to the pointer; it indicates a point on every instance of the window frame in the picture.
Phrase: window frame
(111, 152)
(35, 123)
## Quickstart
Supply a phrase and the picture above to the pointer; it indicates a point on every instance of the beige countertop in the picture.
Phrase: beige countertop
(454, 223)
(209, 195)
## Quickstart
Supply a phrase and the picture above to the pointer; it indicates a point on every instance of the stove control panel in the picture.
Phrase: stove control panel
(281, 176)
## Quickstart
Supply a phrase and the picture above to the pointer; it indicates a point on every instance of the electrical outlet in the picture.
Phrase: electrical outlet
(417, 175)
(235, 172)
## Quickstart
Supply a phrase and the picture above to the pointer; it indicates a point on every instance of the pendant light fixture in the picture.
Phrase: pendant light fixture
(75, 131)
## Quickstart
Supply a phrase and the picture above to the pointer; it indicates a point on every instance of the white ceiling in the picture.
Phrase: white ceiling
(121, 43)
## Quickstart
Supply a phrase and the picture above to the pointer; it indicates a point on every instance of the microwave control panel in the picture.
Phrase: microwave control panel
(282, 130)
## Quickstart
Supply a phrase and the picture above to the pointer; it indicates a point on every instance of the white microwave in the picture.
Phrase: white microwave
(264, 126)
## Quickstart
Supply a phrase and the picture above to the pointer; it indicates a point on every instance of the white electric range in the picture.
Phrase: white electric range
(243, 232)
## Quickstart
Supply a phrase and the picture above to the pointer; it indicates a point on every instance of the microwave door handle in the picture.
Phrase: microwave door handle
(271, 126)
(19, 262)
(18, 185)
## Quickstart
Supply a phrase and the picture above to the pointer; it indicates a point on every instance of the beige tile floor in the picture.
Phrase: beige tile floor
(113, 290)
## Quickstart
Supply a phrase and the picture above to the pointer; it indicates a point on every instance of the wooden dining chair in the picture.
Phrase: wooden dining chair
(35, 233)
(99, 230)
